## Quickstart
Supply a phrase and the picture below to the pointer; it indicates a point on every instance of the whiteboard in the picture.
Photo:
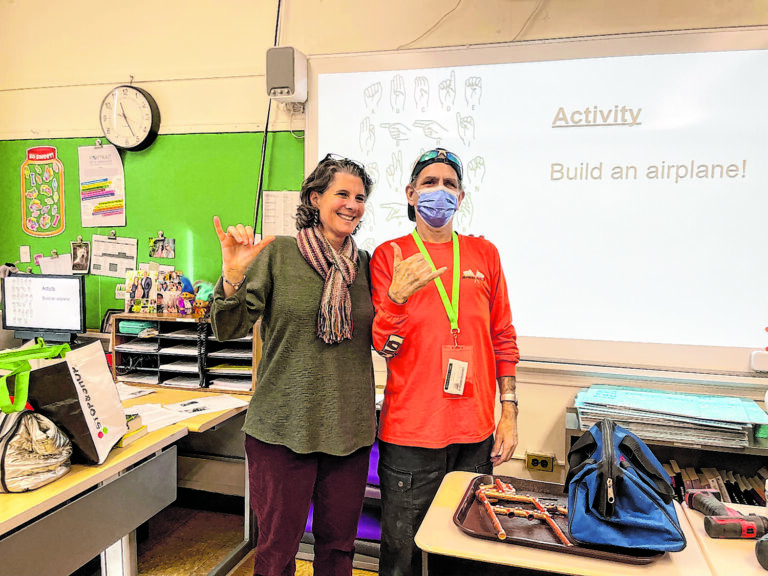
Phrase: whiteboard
(623, 179)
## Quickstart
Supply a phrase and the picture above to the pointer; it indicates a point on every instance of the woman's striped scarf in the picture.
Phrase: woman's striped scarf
(334, 320)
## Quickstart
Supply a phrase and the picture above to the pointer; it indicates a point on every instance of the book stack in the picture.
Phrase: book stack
(135, 430)
(691, 420)
(734, 488)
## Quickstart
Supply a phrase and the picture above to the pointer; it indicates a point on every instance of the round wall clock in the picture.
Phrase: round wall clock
(129, 118)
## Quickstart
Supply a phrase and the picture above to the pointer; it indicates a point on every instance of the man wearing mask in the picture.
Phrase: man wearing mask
(444, 324)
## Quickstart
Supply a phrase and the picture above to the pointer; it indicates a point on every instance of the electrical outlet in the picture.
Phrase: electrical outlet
(540, 462)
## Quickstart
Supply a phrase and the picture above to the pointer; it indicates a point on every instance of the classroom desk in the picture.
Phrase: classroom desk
(439, 535)
(93, 509)
(727, 557)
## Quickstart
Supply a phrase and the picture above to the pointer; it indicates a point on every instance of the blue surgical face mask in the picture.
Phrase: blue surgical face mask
(436, 206)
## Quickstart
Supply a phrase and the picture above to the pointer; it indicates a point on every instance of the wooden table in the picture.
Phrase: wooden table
(439, 535)
(95, 509)
(727, 557)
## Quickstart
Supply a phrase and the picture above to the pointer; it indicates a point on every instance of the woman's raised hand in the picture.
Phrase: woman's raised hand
(237, 248)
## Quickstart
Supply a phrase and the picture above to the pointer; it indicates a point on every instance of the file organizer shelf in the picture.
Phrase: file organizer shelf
(183, 354)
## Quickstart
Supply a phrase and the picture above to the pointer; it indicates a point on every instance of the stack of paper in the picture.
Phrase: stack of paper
(180, 350)
(674, 417)
(180, 366)
(224, 383)
(183, 382)
(137, 345)
(230, 369)
(138, 378)
(184, 334)
(231, 353)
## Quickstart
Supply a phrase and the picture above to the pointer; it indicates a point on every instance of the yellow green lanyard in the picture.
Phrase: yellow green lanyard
(452, 306)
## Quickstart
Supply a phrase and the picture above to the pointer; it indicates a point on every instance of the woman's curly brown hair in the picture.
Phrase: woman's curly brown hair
(319, 181)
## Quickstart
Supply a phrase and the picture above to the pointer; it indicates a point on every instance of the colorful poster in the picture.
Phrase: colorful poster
(102, 186)
(42, 193)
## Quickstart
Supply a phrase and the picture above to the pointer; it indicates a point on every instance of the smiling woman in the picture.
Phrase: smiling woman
(340, 208)
(316, 363)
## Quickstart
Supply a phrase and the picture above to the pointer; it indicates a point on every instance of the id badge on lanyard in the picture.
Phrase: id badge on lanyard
(456, 361)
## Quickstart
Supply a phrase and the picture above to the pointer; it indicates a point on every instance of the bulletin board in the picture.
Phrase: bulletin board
(177, 186)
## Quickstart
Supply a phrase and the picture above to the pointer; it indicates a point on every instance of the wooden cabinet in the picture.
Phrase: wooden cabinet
(181, 352)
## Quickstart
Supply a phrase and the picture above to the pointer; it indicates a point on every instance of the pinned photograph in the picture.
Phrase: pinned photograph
(162, 247)
(81, 257)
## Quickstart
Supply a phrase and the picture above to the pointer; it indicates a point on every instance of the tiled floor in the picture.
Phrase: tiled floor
(186, 541)
(189, 542)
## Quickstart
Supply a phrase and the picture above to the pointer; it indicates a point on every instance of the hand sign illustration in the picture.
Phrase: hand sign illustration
(397, 131)
(373, 172)
(473, 90)
(431, 129)
(397, 94)
(395, 170)
(372, 96)
(476, 172)
(466, 127)
(421, 93)
(367, 136)
(394, 211)
(463, 218)
(447, 92)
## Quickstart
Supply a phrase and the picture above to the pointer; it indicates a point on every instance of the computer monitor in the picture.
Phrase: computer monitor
(44, 305)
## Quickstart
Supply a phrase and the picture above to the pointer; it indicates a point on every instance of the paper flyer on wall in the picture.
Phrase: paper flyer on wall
(113, 256)
(280, 213)
(102, 186)
(58, 264)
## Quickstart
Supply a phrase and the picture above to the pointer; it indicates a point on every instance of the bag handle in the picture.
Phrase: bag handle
(579, 456)
(17, 361)
(640, 460)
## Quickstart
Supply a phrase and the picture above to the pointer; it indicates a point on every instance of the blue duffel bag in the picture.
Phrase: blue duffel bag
(619, 494)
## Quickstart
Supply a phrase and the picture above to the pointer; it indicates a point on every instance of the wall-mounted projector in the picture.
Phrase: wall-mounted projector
(286, 74)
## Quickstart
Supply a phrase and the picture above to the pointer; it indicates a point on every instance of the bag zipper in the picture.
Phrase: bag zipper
(645, 489)
(608, 454)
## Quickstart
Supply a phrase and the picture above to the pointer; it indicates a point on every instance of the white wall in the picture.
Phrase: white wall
(204, 61)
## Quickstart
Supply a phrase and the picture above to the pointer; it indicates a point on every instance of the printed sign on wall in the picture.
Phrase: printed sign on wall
(42, 193)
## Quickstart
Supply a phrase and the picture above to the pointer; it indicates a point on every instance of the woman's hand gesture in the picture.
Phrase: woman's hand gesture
(237, 249)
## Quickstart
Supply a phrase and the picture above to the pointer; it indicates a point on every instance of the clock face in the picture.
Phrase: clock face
(130, 118)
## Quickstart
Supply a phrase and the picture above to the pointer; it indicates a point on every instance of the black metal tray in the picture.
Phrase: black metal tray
(472, 519)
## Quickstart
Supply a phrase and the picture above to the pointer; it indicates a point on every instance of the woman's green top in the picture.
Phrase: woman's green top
(309, 396)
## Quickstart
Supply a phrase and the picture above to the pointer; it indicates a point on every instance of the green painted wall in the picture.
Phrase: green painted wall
(177, 186)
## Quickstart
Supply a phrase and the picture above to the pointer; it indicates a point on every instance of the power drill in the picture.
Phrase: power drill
(723, 522)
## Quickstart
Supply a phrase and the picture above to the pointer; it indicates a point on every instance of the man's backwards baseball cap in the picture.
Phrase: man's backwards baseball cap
(430, 157)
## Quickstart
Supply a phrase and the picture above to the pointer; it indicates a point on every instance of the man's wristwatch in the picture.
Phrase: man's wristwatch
(509, 397)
